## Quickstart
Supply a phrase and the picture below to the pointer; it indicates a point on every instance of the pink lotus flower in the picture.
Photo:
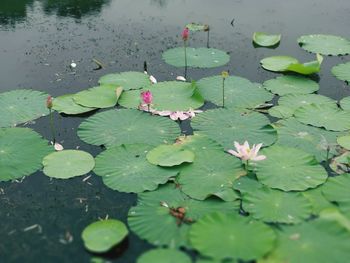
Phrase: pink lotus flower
(185, 34)
(178, 115)
(147, 97)
(49, 102)
(245, 153)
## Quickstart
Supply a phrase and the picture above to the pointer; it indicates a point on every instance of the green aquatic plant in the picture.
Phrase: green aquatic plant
(224, 75)
(52, 125)
(266, 40)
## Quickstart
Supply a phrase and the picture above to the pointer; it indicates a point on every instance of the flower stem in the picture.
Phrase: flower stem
(223, 92)
(185, 47)
(52, 127)
(247, 166)
(149, 107)
(208, 39)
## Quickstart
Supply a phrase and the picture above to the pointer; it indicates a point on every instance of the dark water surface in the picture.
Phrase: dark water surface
(39, 40)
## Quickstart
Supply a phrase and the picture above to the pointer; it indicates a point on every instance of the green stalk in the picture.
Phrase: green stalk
(208, 39)
(247, 166)
(223, 92)
(185, 47)
(52, 127)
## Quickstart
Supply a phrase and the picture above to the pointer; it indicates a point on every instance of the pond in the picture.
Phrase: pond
(42, 218)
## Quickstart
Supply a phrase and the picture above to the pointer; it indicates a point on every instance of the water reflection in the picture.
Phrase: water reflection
(73, 8)
(160, 3)
(12, 12)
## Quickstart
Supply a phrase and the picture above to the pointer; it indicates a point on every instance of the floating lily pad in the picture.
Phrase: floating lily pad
(154, 210)
(345, 103)
(329, 117)
(317, 200)
(247, 184)
(307, 68)
(289, 103)
(337, 189)
(169, 95)
(221, 236)
(285, 63)
(116, 127)
(20, 106)
(334, 215)
(277, 63)
(68, 163)
(197, 27)
(66, 104)
(325, 44)
(239, 92)
(253, 127)
(196, 57)
(98, 97)
(170, 155)
(342, 71)
(312, 242)
(126, 80)
(313, 140)
(126, 169)
(266, 40)
(215, 172)
(163, 255)
(275, 206)
(101, 236)
(344, 141)
(284, 85)
(289, 169)
(21, 152)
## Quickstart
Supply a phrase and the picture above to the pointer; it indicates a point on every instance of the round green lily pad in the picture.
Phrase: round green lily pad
(221, 236)
(337, 189)
(168, 95)
(277, 63)
(126, 169)
(233, 126)
(68, 163)
(196, 57)
(290, 169)
(313, 140)
(329, 117)
(325, 44)
(101, 236)
(266, 40)
(344, 141)
(239, 92)
(345, 103)
(105, 96)
(21, 152)
(170, 155)
(275, 206)
(116, 127)
(155, 209)
(22, 105)
(289, 103)
(284, 85)
(312, 242)
(163, 255)
(66, 104)
(342, 71)
(317, 200)
(126, 80)
(215, 171)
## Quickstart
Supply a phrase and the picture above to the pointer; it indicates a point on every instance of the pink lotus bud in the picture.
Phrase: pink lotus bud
(146, 97)
(49, 102)
(185, 34)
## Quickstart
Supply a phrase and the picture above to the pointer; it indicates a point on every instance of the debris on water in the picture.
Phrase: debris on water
(66, 239)
(153, 79)
(86, 178)
(32, 227)
(73, 65)
(180, 78)
(99, 64)
(58, 147)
